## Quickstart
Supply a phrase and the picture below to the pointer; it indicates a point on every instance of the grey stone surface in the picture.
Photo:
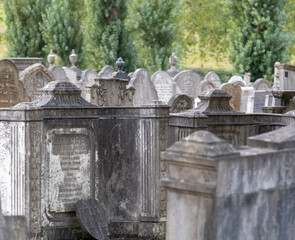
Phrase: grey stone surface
(205, 85)
(173, 60)
(261, 84)
(12, 90)
(106, 72)
(72, 76)
(34, 78)
(212, 76)
(164, 86)
(23, 63)
(259, 100)
(87, 80)
(284, 77)
(73, 59)
(59, 73)
(179, 103)
(236, 92)
(145, 91)
(238, 80)
(93, 218)
(188, 82)
(247, 99)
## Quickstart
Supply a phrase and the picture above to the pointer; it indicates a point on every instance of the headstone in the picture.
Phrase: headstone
(188, 82)
(93, 218)
(247, 97)
(179, 103)
(237, 80)
(25, 62)
(12, 90)
(164, 86)
(106, 72)
(259, 100)
(72, 76)
(173, 60)
(247, 79)
(145, 91)
(261, 84)
(212, 76)
(59, 73)
(205, 85)
(236, 93)
(34, 78)
(87, 79)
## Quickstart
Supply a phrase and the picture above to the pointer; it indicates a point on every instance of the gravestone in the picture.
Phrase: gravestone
(72, 76)
(93, 218)
(24, 62)
(59, 73)
(106, 72)
(212, 76)
(145, 91)
(259, 100)
(205, 85)
(188, 82)
(164, 86)
(179, 103)
(235, 79)
(236, 93)
(261, 84)
(87, 79)
(34, 78)
(247, 99)
(12, 90)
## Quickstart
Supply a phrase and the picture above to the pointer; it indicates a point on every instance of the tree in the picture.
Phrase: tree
(23, 33)
(106, 37)
(154, 26)
(258, 37)
(61, 30)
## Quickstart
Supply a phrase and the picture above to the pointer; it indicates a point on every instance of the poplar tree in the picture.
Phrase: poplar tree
(154, 26)
(23, 34)
(258, 37)
(106, 37)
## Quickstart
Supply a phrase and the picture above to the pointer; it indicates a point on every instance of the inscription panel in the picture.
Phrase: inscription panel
(69, 168)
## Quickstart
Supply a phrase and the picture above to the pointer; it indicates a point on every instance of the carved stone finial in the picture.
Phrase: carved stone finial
(120, 64)
(51, 58)
(173, 60)
(73, 58)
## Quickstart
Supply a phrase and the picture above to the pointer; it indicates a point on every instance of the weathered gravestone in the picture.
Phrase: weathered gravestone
(237, 80)
(72, 76)
(144, 89)
(188, 82)
(93, 218)
(34, 78)
(87, 79)
(59, 73)
(106, 72)
(261, 84)
(24, 62)
(12, 90)
(179, 103)
(212, 76)
(236, 93)
(247, 99)
(204, 86)
(164, 86)
(260, 100)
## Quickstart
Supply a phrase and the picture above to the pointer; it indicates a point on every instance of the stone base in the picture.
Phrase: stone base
(276, 110)
(61, 233)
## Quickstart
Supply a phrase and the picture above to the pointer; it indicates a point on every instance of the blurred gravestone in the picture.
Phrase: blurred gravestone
(261, 84)
(235, 92)
(179, 103)
(163, 84)
(59, 73)
(106, 72)
(212, 76)
(205, 85)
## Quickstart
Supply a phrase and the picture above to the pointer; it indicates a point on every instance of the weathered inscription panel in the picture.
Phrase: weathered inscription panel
(69, 168)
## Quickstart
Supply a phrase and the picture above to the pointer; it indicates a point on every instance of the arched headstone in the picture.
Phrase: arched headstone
(261, 84)
(106, 72)
(164, 86)
(205, 85)
(236, 93)
(213, 77)
(179, 103)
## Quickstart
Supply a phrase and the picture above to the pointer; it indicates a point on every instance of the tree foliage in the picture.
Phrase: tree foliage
(106, 37)
(23, 34)
(61, 30)
(154, 26)
(258, 37)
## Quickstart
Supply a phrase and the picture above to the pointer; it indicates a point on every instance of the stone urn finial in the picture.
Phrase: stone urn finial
(120, 64)
(73, 58)
(51, 58)
(173, 60)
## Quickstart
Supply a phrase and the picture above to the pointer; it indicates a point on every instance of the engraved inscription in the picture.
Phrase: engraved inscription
(69, 168)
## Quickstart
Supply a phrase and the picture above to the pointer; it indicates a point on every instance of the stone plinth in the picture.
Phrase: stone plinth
(23, 63)
(190, 183)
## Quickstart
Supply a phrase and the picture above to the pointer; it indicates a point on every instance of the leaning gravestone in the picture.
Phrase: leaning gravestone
(204, 86)
(212, 76)
(144, 89)
(164, 86)
(261, 84)
(106, 72)
(179, 103)
(12, 90)
(236, 93)
(93, 218)
(34, 78)
(59, 73)
(188, 82)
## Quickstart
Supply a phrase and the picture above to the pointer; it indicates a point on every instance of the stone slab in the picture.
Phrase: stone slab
(163, 84)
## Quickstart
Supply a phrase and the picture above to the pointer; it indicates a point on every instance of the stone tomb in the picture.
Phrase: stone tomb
(144, 89)
(12, 90)
(188, 82)
(34, 78)
(164, 86)
(236, 92)
(284, 77)
(212, 76)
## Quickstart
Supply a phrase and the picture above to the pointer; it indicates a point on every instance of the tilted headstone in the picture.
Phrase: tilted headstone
(59, 73)
(247, 99)
(145, 91)
(261, 84)
(12, 90)
(164, 86)
(34, 78)
(173, 60)
(93, 218)
(212, 76)
(72, 76)
(205, 85)
(188, 82)
(236, 93)
(106, 72)
(179, 103)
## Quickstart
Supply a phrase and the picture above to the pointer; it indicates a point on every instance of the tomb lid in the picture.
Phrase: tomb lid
(93, 218)
(283, 138)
